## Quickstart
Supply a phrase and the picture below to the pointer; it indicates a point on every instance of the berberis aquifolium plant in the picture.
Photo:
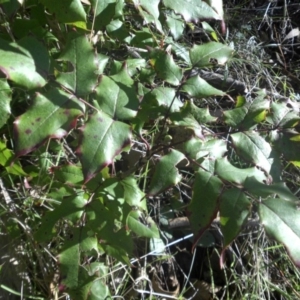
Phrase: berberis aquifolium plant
(105, 107)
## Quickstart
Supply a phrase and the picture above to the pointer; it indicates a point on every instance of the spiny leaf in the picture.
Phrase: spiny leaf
(149, 11)
(253, 147)
(249, 114)
(263, 190)
(175, 24)
(52, 114)
(142, 226)
(210, 54)
(166, 174)
(67, 11)
(228, 172)
(198, 88)
(165, 66)
(192, 10)
(25, 67)
(205, 202)
(117, 97)
(102, 139)
(79, 52)
(281, 220)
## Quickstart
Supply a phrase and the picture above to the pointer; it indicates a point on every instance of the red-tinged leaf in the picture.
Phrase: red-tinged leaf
(205, 202)
(281, 220)
(166, 174)
(102, 139)
(52, 115)
(80, 53)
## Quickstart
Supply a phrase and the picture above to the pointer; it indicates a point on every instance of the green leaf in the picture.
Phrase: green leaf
(281, 220)
(249, 114)
(165, 67)
(79, 52)
(198, 88)
(142, 226)
(252, 147)
(285, 142)
(205, 202)
(175, 24)
(163, 97)
(132, 193)
(52, 114)
(149, 11)
(102, 139)
(116, 96)
(104, 12)
(210, 54)
(7, 161)
(25, 67)
(225, 170)
(263, 190)
(192, 10)
(166, 174)
(71, 207)
(68, 174)
(69, 264)
(5, 96)
(234, 210)
(67, 11)
(281, 115)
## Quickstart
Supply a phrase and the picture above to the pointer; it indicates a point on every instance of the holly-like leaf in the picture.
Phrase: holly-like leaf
(80, 54)
(175, 24)
(102, 139)
(5, 96)
(281, 115)
(141, 225)
(163, 97)
(117, 97)
(251, 146)
(132, 193)
(27, 68)
(68, 174)
(104, 11)
(165, 67)
(249, 114)
(166, 174)
(192, 10)
(71, 207)
(205, 202)
(263, 190)
(198, 88)
(149, 11)
(286, 142)
(210, 54)
(67, 11)
(281, 220)
(234, 210)
(52, 114)
(225, 170)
